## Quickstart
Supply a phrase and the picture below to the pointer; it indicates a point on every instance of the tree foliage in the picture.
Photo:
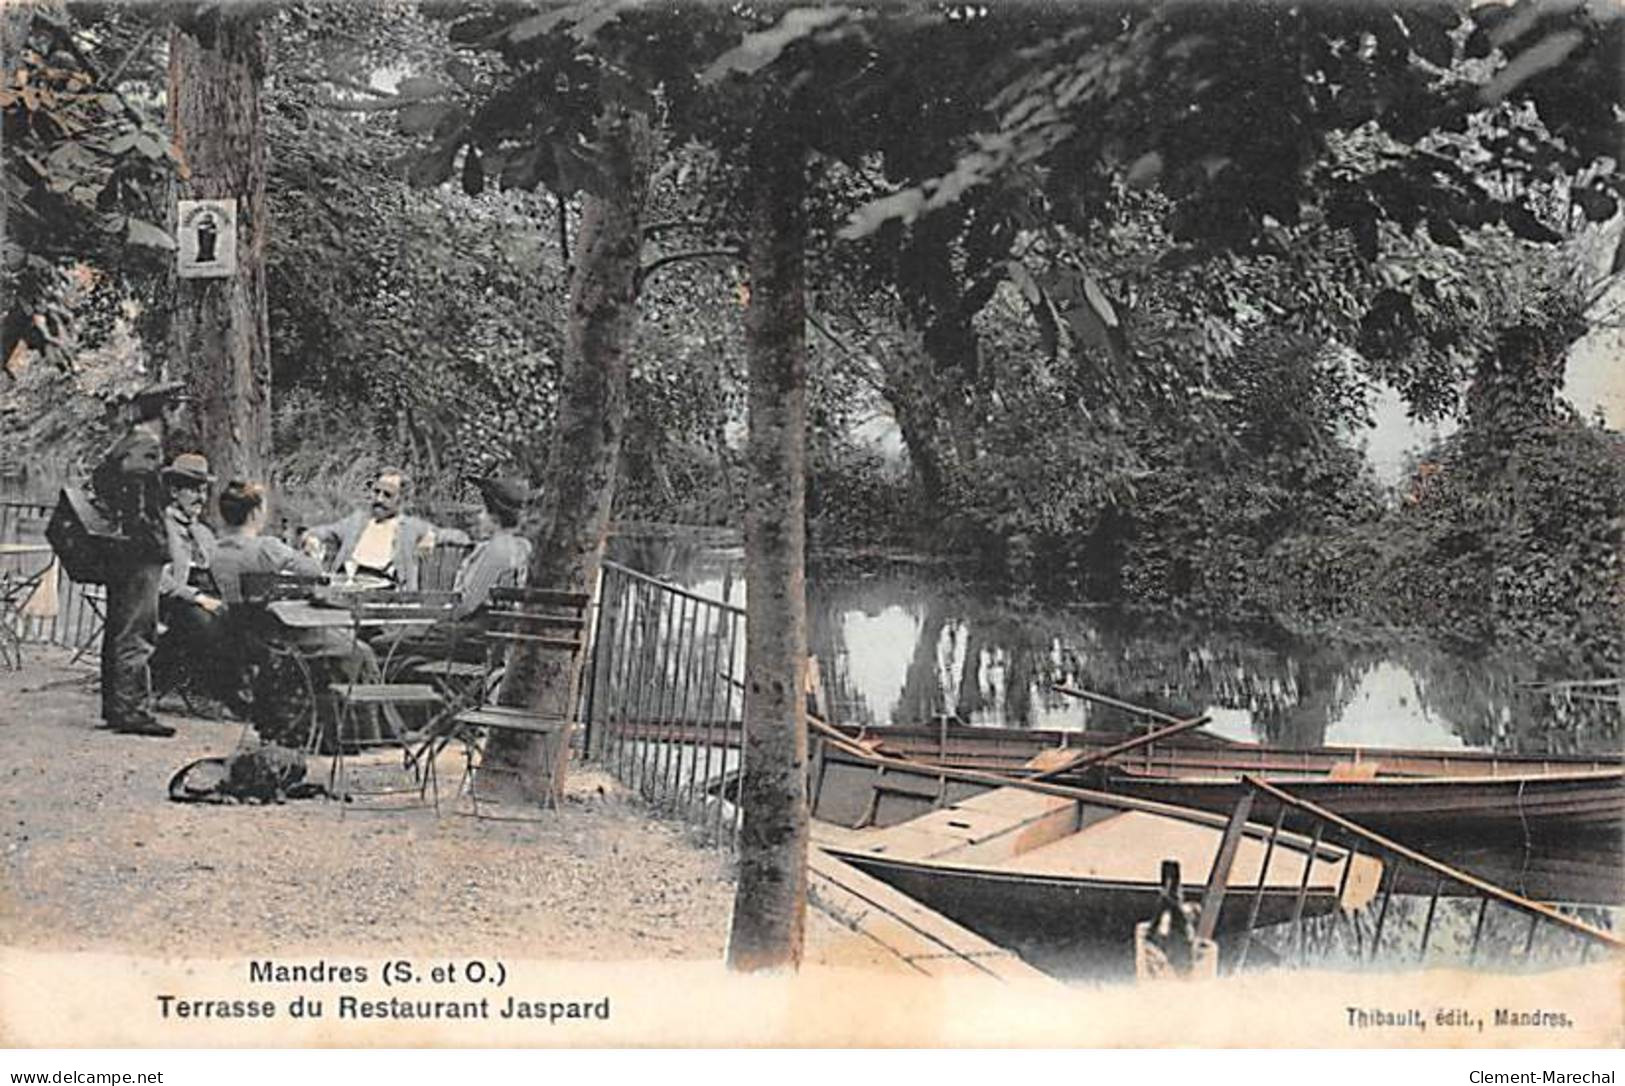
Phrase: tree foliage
(85, 171)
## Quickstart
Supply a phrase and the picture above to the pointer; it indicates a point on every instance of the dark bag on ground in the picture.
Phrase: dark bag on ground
(268, 773)
(86, 540)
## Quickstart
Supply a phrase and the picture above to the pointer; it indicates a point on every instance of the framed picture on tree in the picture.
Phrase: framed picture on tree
(207, 238)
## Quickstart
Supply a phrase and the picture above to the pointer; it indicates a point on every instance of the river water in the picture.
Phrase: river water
(905, 643)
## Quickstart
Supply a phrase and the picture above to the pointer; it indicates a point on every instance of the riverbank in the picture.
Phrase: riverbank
(95, 857)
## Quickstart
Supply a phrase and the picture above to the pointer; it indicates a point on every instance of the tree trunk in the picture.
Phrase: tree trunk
(220, 333)
(585, 447)
(15, 20)
(770, 904)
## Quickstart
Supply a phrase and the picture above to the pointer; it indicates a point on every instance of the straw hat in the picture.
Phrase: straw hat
(193, 467)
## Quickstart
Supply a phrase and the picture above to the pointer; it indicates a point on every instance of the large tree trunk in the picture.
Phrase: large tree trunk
(579, 487)
(15, 20)
(220, 334)
(770, 904)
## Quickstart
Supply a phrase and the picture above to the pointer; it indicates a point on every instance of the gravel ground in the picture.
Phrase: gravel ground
(95, 857)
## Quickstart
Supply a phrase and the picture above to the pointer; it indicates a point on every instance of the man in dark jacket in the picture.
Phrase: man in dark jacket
(189, 605)
(128, 487)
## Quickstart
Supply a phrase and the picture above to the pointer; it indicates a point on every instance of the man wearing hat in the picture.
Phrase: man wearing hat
(127, 486)
(188, 603)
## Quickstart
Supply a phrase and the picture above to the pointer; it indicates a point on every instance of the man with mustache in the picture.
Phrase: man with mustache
(187, 604)
(380, 539)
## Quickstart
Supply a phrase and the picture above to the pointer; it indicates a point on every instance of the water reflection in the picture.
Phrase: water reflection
(905, 644)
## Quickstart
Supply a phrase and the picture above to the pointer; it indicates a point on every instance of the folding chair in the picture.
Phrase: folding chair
(276, 687)
(459, 669)
(16, 589)
(383, 611)
(462, 684)
(555, 622)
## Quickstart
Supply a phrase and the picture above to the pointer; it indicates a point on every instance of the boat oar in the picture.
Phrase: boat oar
(1104, 699)
(1084, 758)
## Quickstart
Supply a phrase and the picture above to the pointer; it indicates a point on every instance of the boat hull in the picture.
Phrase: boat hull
(1511, 808)
(1015, 907)
(1062, 878)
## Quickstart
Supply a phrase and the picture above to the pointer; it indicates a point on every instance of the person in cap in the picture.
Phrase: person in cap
(189, 604)
(502, 557)
(128, 487)
(380, 539)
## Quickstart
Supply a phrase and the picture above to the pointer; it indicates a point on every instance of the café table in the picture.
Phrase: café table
(358, 612)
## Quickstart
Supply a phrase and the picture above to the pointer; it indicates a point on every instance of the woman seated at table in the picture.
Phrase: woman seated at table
(242, 549)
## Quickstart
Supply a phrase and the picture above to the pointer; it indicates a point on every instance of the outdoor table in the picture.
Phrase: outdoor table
(305, 615)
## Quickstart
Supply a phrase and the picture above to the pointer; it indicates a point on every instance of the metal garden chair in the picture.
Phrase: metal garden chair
(554, 622)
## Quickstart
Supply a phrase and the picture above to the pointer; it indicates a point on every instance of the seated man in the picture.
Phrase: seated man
(335, 655)
(380, 539)
(501, 558)
(187, 606)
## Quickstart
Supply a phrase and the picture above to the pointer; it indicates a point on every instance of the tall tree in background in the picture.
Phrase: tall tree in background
(219, 332)
(14, 21)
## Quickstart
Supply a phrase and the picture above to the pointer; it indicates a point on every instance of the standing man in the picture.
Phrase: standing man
(380, 539)
(128, 487)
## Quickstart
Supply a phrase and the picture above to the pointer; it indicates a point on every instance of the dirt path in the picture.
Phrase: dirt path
(95, 857)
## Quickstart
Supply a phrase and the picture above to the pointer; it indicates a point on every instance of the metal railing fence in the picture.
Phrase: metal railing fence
(665, 699)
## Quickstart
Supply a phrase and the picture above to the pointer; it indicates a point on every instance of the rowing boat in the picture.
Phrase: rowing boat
(1412, 794)
(1037, 865)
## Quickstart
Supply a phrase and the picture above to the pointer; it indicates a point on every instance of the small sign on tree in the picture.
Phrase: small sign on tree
(207, 232)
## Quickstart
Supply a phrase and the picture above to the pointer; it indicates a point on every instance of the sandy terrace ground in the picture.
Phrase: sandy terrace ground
(96, 857)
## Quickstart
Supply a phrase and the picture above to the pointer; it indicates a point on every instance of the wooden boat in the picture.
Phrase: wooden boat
(1198, 752)
(1420, 796)
(1537, 806)
(1063, 866)
(1409, 794)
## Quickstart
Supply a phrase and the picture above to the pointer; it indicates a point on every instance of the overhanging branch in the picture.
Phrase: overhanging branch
(688, 254)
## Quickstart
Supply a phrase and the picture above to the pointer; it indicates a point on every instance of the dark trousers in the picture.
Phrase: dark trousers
(127, 643)
(198, 645)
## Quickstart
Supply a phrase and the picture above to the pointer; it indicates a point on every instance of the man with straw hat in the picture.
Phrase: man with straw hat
(188, 600)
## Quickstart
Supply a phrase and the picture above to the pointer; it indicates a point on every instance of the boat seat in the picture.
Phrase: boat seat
(982, 828)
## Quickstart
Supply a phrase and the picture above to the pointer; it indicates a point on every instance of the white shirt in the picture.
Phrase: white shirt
(376, 547)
